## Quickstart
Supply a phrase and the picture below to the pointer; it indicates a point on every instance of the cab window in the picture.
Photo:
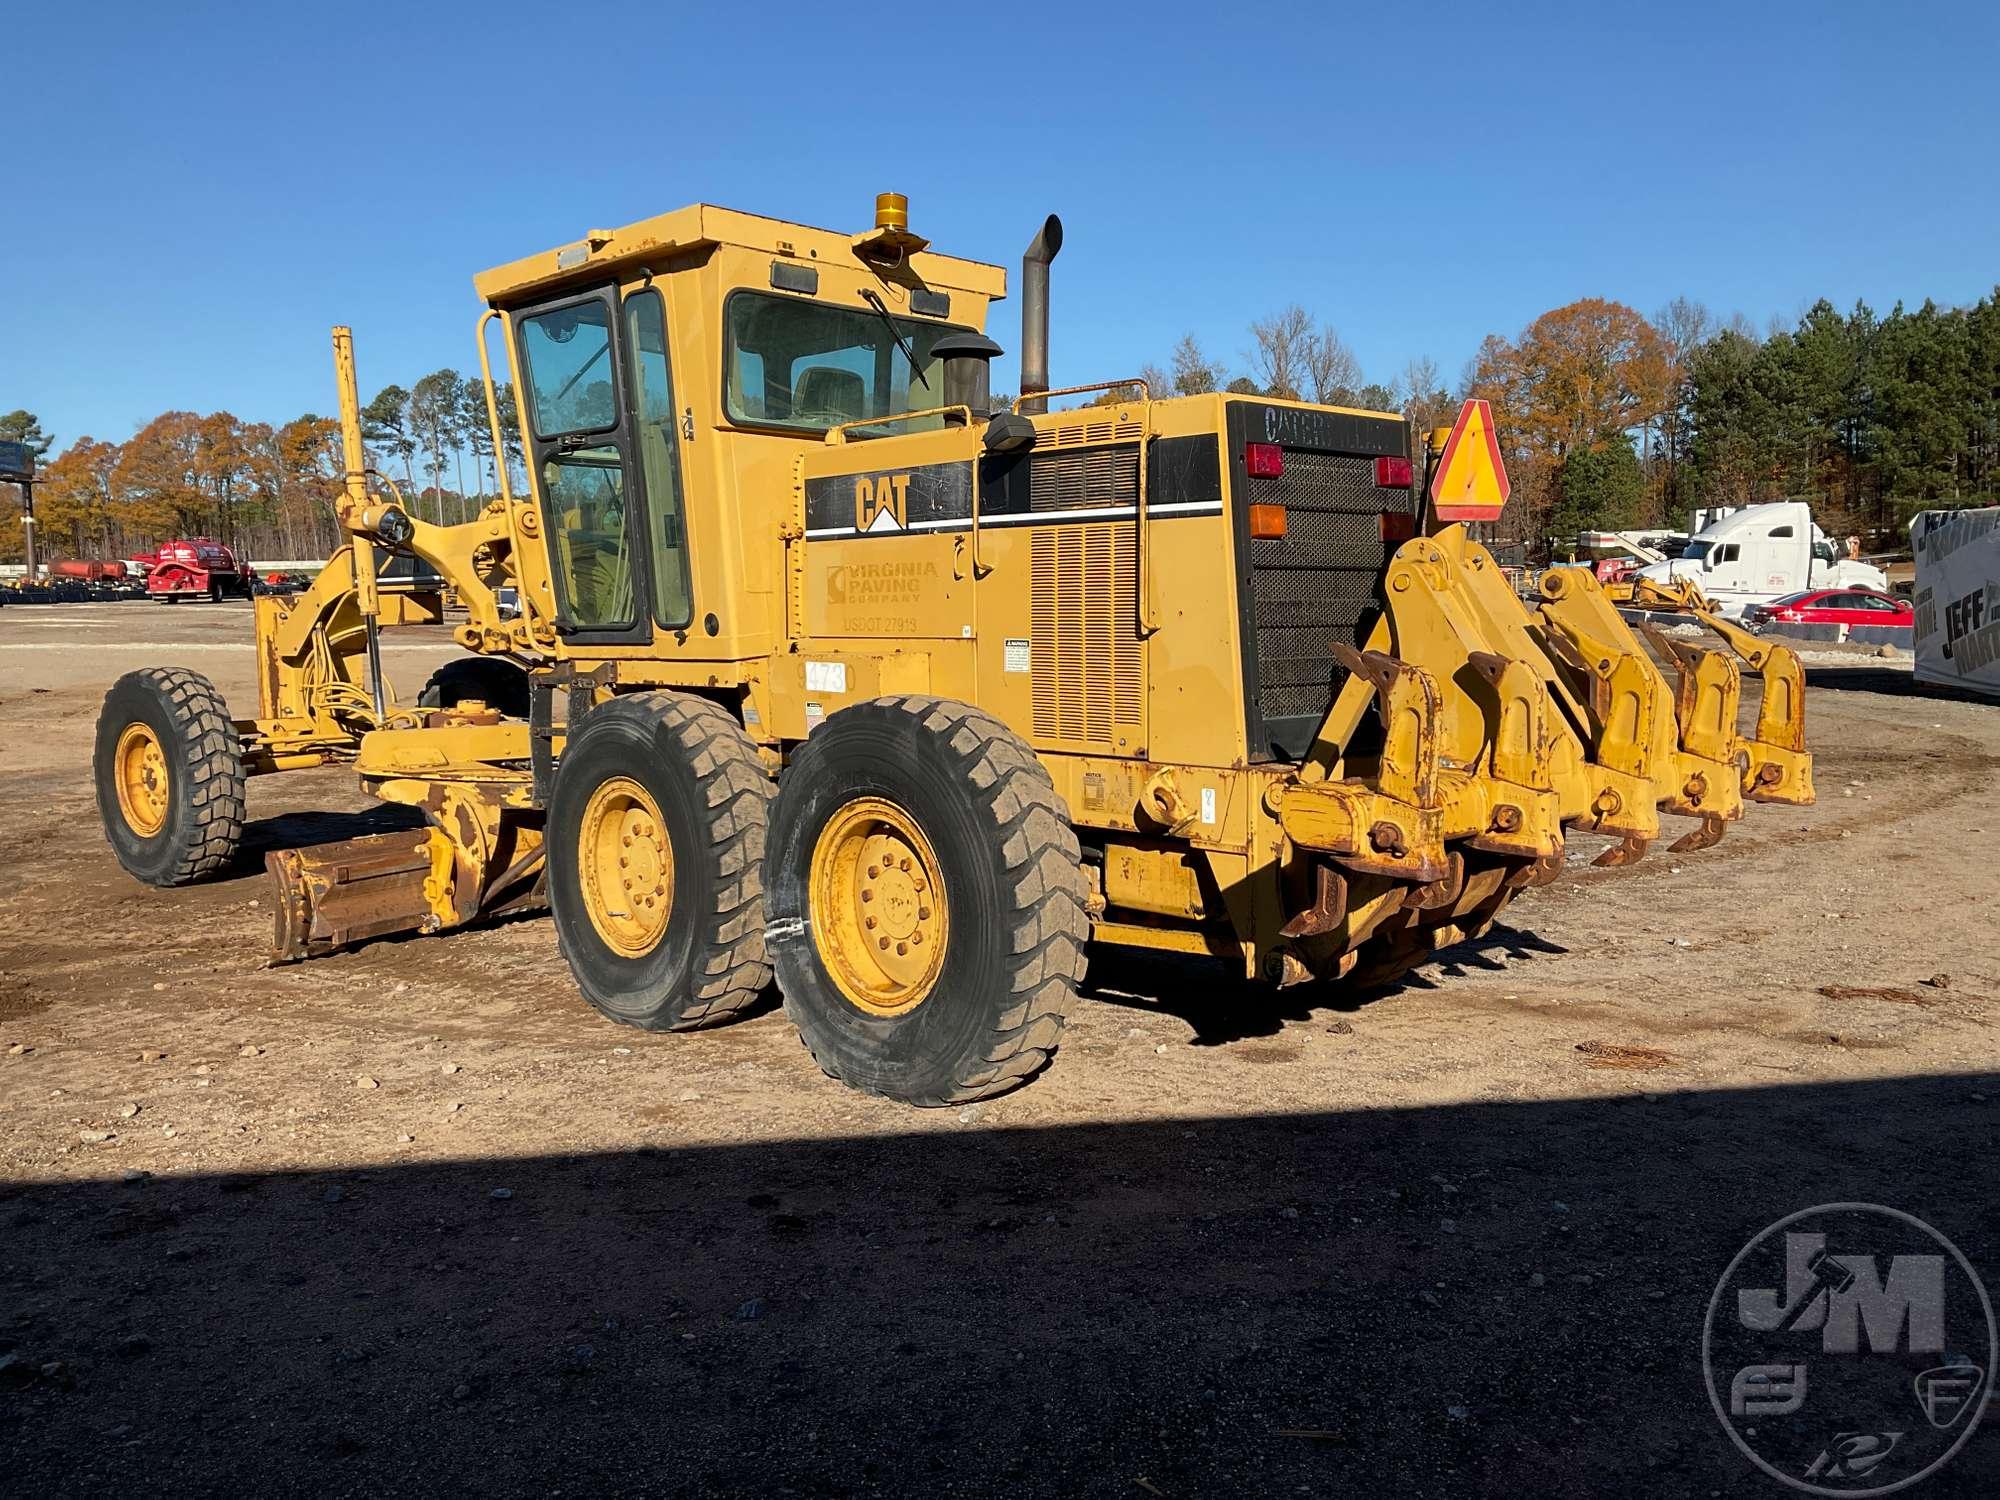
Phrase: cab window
(569, 369)
(659, 456)
(580, 457)
(797, 363)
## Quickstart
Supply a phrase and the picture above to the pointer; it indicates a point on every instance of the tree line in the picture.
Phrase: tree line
(1609, 421)
(265, 490)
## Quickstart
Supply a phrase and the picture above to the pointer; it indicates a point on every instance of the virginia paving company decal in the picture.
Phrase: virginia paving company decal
(1958, 597)
(874, 585)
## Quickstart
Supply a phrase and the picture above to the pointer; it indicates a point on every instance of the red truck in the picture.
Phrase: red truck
(198, 568)
(77, 570)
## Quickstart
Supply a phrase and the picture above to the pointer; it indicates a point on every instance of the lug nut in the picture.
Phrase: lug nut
(923, 914)
(874, 872)
(902, 948)
(882, 942)
(868, 922)
(1507, 818)
(867, 895)
(904, 862)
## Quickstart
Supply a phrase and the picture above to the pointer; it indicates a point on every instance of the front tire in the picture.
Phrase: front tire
(656, 839)
(925, 902)
(169, 774)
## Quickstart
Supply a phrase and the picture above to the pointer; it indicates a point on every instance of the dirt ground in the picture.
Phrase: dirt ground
(414, 1215)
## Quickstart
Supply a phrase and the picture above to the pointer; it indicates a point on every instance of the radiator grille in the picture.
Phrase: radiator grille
(1069, 434)
(1318, 583)
(1083, 479)
(1086, 661)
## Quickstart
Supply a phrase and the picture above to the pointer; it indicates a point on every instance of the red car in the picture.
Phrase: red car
(1835, 607)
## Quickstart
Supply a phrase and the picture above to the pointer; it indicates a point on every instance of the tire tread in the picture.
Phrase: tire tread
(730, 971)
(1047, 924)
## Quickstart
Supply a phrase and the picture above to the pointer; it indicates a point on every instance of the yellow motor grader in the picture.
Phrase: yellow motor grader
(829, 668)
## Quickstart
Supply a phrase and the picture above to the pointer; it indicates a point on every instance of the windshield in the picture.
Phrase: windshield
(795, 363)
(1696, 552)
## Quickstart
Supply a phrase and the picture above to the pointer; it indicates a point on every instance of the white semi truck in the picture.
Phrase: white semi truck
(1761, 552)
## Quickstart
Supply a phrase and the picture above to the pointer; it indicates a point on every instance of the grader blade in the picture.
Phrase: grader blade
(335, 894)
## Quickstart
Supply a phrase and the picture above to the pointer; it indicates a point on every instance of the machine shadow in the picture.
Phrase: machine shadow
(1482, 1297)
(300, 830)
(1228, 1008)
(1888, 681)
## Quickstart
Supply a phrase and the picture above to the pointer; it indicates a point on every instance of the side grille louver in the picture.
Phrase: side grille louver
(1087, 479)
(1086, 661)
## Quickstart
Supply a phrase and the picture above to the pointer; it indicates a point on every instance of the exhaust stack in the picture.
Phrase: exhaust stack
(1035, 313)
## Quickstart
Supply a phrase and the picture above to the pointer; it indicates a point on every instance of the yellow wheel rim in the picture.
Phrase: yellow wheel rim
(878, 907)
(140, 766)
(627, 865)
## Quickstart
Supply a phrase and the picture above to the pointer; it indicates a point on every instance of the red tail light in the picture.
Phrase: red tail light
(1398, 526)
(1263, 460)
(1392, 473)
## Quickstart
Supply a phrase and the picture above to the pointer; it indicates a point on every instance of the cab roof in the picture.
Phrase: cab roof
(702, 225)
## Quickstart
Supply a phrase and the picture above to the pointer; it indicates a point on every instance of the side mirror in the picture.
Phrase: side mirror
(1009, 432)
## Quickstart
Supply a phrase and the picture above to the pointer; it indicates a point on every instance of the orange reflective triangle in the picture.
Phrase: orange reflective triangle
(1471, 482)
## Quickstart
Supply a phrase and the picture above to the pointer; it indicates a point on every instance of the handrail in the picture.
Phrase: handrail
(1142, 585)
(836, 435)
(1145, 391)
(492, 401)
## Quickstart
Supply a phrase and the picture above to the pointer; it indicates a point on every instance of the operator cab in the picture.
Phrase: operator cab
(707, 347)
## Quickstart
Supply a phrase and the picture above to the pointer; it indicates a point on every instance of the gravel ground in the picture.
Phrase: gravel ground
(414, 1216)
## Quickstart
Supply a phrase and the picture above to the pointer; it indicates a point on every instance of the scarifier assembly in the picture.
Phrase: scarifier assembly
(827, 666)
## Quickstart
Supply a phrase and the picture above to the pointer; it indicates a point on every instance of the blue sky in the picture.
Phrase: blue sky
(207, 188)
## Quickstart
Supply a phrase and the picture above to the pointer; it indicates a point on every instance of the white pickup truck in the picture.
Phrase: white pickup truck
(1760, 552)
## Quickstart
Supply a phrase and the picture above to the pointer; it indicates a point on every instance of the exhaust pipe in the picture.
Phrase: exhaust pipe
(1035, 313)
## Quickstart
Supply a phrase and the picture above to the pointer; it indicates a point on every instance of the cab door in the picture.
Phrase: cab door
(576, 414)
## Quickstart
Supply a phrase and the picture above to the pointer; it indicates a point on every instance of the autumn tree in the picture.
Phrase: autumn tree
(1577, 377)
(161, 471)
(76, 499)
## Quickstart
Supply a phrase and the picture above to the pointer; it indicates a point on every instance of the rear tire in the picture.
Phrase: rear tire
(989, 846)
(492, 680)
(169, 774)
(665, 789)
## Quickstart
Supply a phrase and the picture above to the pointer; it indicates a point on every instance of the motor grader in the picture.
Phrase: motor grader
(831, 669)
